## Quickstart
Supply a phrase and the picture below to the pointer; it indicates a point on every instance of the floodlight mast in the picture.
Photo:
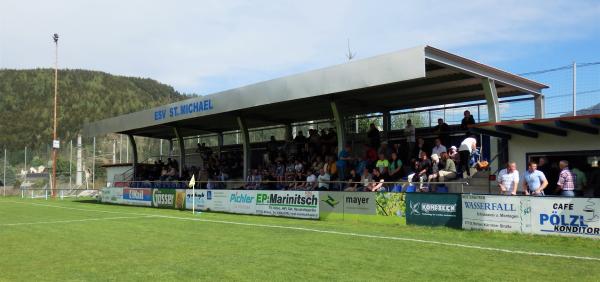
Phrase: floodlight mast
(55, 142)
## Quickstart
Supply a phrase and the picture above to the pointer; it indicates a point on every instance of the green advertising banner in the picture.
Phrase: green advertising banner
(163, 198)
(390, 204)
(433, 209)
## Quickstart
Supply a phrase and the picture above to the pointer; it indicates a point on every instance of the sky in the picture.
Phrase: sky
(203, 47)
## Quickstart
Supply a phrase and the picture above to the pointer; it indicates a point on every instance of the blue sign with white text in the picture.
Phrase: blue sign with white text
(184, 109)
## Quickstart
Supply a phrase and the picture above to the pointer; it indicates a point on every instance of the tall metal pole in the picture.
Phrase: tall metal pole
(574, 89)
(94, 163)
(4, 175)
(71, 164)
(55, 137)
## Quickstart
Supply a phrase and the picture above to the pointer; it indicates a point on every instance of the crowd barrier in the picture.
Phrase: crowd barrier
(523, 214)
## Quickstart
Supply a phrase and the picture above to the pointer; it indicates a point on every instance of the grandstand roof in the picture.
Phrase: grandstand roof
(416, 77)
(532, 128)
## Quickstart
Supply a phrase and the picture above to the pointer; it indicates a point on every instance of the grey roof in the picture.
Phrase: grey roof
(416, 77)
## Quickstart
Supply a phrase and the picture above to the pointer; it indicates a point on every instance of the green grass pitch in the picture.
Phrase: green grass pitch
(68, 240)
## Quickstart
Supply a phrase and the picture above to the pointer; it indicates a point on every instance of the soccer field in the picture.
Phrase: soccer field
(82, 240)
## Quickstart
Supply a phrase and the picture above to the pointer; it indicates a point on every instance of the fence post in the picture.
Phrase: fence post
(94, 163)
(4, 175)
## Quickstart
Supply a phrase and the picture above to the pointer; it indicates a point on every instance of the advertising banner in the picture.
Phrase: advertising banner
(434, 209)
(137, 196)
(497, 213)
(163, 198)
(300, 204)
(112, 195)
(217, 200)
(390, 204)
(347, 202)
(566, 216)
(241, 202)
(200, 201)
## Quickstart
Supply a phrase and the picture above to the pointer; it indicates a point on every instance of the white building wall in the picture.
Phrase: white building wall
(519, 146)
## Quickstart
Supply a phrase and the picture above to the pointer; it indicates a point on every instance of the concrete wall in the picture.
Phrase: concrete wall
(519, 146)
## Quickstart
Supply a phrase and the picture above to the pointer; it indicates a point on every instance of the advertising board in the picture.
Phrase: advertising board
(347, 202)
(137, 196)
(112, 195)
(496, 213)
(300, 204)
(566, 216)
(434, 209)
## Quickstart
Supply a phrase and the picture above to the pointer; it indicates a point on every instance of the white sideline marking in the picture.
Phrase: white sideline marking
(334, 232)
(74, 220)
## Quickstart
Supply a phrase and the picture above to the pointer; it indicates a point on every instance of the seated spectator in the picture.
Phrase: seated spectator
(438, 149)
(298, 183)
(395, 168)
(370, 156)
(449, 171)
(279, 171)
(298, 166)
(435, 162)
(365, 179)
(253, 181)
(385, 150)
(353, 181)
(323, 180)
(311, 181)
(424, 169)
(420, 148)
(382, 163)
(318, 164)
(272, 148)
(376, 185)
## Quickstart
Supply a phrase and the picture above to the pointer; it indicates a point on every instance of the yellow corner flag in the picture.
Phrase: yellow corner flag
(192, 181)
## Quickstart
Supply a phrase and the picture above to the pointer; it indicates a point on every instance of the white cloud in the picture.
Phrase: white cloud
(200, 46)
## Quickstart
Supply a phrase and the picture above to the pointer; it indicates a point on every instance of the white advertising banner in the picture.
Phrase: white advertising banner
(347, 202)
(300, 204)
(112, 195)
(496, 213)
(566, 216)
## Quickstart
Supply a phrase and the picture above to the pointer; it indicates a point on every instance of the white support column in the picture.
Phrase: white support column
(339, 125)
(135, 155)
(540, 107)
(491, 97)
(246, 144)
(181, 150)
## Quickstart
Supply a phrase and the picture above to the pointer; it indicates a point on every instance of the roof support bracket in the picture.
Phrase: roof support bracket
(491, 96)
(518, 131)
(179, 137)
(339, 125)
(246, 145)
(545, 129)
(492, 133)
(576, 127)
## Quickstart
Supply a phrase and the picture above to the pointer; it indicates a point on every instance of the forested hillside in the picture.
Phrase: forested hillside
(26, 102)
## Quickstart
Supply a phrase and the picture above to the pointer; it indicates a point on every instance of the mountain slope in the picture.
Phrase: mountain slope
(26, 102)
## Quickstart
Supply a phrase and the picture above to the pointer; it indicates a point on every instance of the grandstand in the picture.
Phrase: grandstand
(414, 78)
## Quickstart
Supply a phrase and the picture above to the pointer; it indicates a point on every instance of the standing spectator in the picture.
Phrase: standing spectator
(550, 173)
(373, 135)
(566, 180)
(323, 180)
(438, 149)
(467, 120)
(370, 156)
(594, 181)
(453, 154)
(272, 148)
(534, 180)
(464, 151)
(442, 130)
(409, 132)
(385, 150)
(508, 179)
(343, 162)
(581, 181)
(280, 171)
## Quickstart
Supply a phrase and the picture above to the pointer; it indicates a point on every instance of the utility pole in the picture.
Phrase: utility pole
(574, 89)
(55, 142)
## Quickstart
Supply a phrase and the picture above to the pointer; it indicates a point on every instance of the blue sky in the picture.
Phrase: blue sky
(203, 47)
